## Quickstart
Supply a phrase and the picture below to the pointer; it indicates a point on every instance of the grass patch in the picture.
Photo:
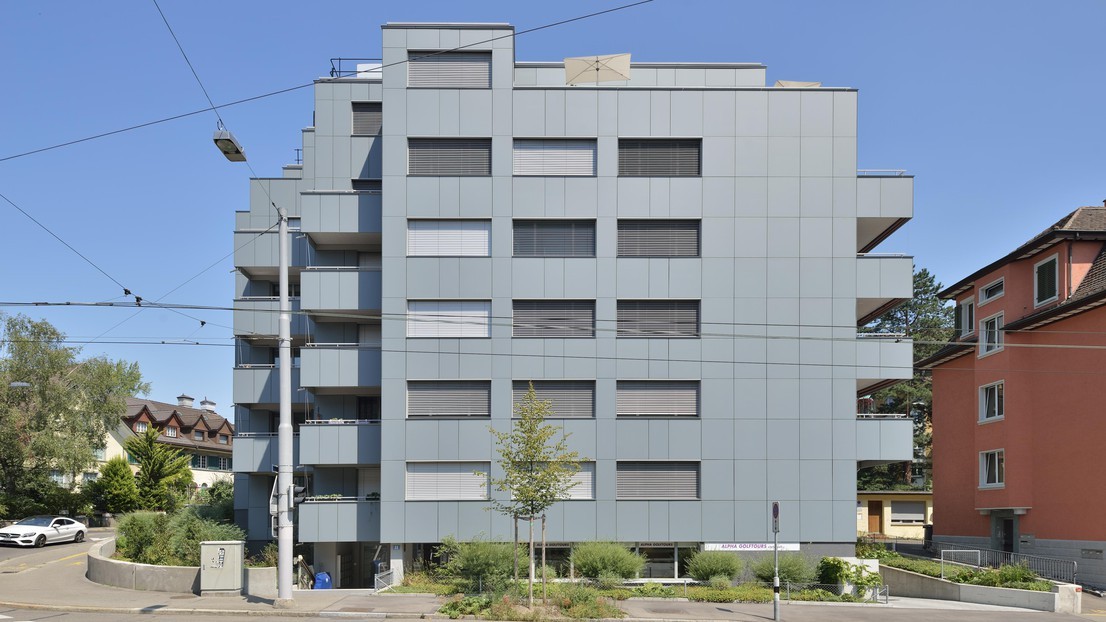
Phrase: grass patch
(1011, 576)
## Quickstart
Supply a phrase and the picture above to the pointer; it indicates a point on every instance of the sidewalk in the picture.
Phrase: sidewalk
(61, 586)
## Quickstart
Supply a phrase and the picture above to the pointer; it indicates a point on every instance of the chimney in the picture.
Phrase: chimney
(184, 401)
(207, 405)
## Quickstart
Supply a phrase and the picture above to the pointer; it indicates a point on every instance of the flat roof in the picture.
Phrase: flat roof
(451, 25)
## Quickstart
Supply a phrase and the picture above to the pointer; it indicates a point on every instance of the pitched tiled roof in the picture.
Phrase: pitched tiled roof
(1091, 293)
(161, 412)
(1094, 282)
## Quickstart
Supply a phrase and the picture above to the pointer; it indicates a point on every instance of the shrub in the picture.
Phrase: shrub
(114, 491)
(608, 580)
(265, 558)
(793, 569)
(873, 550)
(817, 594)
(720, 582)
(465, 606)
(424, 583)
(745, 593)
(705, 565)
(1016, 573)
(833, 570)
(654, 590)
(140, 538)
(482, 564)
(920, 566)
(593, 559)
(187, 530)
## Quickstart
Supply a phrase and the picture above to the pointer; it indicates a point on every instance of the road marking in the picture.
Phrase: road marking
(69, 557)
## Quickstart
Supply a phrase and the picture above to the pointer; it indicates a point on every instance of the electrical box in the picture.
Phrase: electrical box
(221, 568)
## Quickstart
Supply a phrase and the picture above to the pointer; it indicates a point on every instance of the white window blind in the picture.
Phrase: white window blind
(449, 157)
(658, 238)
(663, 319)
(447, 481)
(448, 399)
(583, 483)
(554, 318)
(657, 480)
(368, 118)
(659, 157)
(554, 158)
(450, 70)
(448, 318)
(657, 398)
(554, 238)
(569, 398)
(449, 238)
(908, 511)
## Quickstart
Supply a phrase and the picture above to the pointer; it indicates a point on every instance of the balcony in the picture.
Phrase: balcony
(884, 202)
(260, 315)
(883, 439)
(882, 359)
(348, 290)
(256, 452)
(256, 253)
(339, 368)
(345, 219)
(339, 442)
(882, 282)
(342, 519)
(259, 385)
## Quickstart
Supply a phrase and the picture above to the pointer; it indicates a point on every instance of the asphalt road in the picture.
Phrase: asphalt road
(18, 558)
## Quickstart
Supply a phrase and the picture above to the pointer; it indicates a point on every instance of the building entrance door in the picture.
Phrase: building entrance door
(875, 517)
(1008, 535)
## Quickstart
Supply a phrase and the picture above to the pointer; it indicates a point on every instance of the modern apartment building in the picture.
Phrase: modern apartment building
(1017, 401)
(678, 261)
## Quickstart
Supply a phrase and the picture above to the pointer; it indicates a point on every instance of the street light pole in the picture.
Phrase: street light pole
(284, 429)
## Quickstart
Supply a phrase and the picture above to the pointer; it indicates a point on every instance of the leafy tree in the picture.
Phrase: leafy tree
(115, 491)
(164, 473)
(929, 322)
(55, 411)
(537, 466)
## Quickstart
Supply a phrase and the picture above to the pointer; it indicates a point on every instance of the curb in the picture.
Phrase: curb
(273, 613)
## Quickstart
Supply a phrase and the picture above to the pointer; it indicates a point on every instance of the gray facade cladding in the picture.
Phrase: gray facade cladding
(689, 226)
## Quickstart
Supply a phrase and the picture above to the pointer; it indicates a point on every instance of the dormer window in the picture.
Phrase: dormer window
(1045, 281)
(171, 431)
(224, 439)
(198, 435)
(141, 427)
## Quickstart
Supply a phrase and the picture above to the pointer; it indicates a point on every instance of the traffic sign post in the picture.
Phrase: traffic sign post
(776, 560)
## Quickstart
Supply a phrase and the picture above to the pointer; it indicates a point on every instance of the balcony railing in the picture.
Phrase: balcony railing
(340, 442)
(340, 519)
(256, 452)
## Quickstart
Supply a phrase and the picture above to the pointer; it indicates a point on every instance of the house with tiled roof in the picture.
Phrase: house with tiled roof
(201, 433)
(1018, 398)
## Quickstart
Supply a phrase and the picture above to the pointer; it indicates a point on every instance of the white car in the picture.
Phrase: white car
(38, 530)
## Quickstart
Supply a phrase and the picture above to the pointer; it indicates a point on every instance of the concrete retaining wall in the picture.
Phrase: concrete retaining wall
(106, 571)
(260, 582)
(1063, 599)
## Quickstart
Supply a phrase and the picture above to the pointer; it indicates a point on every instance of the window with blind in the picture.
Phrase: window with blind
(449, 238)
(447, 481)
(659, 157)
(657, 480)
(658, 319)
(554, 157)
(1045, 281)
(554, 238)
(448, 318)
(449, 157)
(368, 118)
(908, 512)
(554, 318)
(658, 238)
(449, 399)
(657, 398)
(583, 483)
(449, 70)
(366, 185)
(570, 399)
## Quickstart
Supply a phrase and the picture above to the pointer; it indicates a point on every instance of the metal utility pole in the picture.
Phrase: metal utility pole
(776, 560)
(284, 429)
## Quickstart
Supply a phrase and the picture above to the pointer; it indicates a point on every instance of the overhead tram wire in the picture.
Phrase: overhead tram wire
(306, 85)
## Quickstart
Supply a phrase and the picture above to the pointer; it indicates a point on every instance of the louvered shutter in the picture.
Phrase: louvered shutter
(658, 480)
(554, 318)
(367, 185)
(448, 399)
(583, 483)
(368, 117)
(554, 158)
(658, 318)
(449, 70)
(656, 398)
(449, 238)
(447, 481)
(1046, 281)
(958, 321)
(659, 157)
(449, 157)
(554, 238)
(448, 318)
(570, 398)
(658, 238)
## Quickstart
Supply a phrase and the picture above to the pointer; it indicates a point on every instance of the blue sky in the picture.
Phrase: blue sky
(996, 107)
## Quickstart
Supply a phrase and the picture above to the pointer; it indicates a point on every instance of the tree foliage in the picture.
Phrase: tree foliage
(929, 322)
(55, 411)
(115, 490)
(164, 474)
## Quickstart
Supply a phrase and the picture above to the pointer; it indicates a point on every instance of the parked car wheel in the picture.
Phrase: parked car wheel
(79, 537)
(40, 542)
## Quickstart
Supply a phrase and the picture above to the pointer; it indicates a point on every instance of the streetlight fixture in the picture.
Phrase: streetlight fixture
(228, 144)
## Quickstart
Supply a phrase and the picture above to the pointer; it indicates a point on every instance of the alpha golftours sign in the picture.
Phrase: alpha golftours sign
(750, 546)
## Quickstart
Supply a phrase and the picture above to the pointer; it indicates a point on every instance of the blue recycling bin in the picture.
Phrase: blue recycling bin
(322, 581)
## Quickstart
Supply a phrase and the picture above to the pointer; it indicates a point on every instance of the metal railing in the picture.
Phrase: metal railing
(384, 580)
(881, 416)
(339, 67)
(1064, 570)
(881, 172)
(341, 422)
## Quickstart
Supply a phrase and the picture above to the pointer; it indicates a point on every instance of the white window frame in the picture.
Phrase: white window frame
(464, 237)
(967, 325)
(984, 299)
(985, 347)
(1000, 388)
(1036, 267)
(199, 435)
(1000, 467)
(461, 321)
(141, 427)
(171, 431)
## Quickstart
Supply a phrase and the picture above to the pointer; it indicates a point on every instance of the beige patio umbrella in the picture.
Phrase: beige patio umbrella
(606, 68)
